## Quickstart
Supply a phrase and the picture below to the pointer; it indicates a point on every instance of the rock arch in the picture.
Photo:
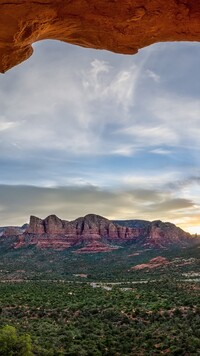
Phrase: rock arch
(118, 26)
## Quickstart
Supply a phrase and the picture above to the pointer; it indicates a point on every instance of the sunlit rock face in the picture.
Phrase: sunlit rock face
(93, 233)
(88, 228)
(118, 26)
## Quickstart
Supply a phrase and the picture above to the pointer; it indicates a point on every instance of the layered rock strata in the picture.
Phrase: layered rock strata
(94, 233)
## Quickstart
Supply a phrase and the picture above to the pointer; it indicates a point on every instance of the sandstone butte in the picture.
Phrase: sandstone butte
(114, 25)
(93, 233)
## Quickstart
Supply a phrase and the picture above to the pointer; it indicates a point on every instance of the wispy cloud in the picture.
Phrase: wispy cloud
(153, 75)
(120, 133)
(146, 136)
(6, 124)
(71, 112)
(161, 151)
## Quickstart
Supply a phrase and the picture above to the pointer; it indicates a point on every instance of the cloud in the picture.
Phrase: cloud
(92, 77)
(6, 125)
(180, 115)
(159, 179)
(146, 136)
(18, 202)
(161, 151)
(72, 108)
(171, 205)
(92, 107)
(184, 183)
(125, 150)
(153, 75)
(144, 195)
(121, 133)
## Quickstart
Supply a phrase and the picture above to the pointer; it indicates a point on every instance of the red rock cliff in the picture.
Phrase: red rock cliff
(93, 228)
(36, 226)
(163, 234)
(96, 233)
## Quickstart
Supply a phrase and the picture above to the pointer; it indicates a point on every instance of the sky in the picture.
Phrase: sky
(86, 131)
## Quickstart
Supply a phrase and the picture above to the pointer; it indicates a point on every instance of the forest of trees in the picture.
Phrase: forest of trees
(46, 318)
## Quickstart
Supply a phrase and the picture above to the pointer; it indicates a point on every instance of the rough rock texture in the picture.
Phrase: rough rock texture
(118, 26)
(163, 234)
(95, 247)
(94, 233)
(12, 231)
(53, 225)
(9, 231)
(159, 262)
(89, 228)
(36, 226)
(153, 263)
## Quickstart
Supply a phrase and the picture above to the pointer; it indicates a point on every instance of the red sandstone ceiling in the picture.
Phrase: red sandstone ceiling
(122, 26)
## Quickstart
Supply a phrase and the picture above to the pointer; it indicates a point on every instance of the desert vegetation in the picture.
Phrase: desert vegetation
(68, 318)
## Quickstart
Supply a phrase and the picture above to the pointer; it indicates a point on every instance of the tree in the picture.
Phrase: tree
(12, 344)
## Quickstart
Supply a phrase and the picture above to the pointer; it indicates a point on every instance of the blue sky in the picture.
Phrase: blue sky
(86, 131)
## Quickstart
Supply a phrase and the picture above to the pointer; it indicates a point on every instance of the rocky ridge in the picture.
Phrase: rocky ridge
(155, 262)
(94, 233)
(160, 262)
(13, 230)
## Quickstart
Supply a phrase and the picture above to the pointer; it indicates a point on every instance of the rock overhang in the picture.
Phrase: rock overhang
(121, 27)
